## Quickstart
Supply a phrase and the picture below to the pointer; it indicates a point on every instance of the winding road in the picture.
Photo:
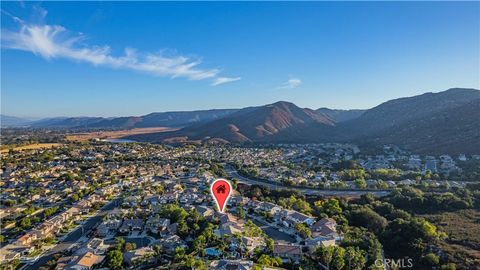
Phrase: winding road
(305, 190)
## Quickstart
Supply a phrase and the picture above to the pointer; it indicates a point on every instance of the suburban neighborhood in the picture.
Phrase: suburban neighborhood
(102, 204)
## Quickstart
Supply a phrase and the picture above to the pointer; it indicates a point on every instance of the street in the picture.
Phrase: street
(307, 191)
(73, 236)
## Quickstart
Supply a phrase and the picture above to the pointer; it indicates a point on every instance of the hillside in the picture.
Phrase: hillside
(12, 121)
(444, 122)
(453, 130)
(274, 122)
(436, 123)
(162, 119)
(341, 115)
(403, 110)
(158, 119)
(66, 122)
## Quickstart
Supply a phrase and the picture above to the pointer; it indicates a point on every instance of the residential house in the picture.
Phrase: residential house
(130, 257)
(251, 243)
(134, 224)
(26, 239)
(231, 265)
(170, 243)
(84, 262)
(205, 211)
(108, 226)
(326, 241)
(155, 224)
(324, 227)
(293, 217)
(288, 252)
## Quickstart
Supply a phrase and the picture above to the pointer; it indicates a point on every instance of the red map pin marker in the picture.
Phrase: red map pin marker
(221, 190)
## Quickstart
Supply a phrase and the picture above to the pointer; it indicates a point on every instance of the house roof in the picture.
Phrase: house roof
(89, 259)
(232, 265)
(298, 216)
(287, 249)
(325, 224)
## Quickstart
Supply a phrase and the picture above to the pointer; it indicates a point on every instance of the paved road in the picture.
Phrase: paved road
(307, 191)
(73, 236)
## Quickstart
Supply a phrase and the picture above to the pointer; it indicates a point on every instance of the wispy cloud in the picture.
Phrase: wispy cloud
(55, 41)
(291, 83)
(222, 80)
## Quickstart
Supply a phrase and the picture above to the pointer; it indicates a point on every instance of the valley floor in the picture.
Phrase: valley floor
(115, 134)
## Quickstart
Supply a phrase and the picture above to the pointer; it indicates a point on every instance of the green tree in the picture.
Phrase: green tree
(199, 244)
(331, 207)
(49, 211)
(120, 243)
(295, 203)
(367, 218)
(179, 254)
(374, 252)
(325, 255)
(431, 259)
(409, 237)
(354, 258)
(182, 229)
(269, 261)
(173, 212)
(448, 266)
(115, 259)
(350, 175)
(25, 223)
(338, 261)
(252, 230)
(269, 243)
(240, 212)
(199, 265)
(303, 230)
(189, 261)
(360, 183)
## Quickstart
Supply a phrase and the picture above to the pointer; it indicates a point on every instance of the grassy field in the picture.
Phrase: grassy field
(463, 242)
(114, 134)
(31, 146)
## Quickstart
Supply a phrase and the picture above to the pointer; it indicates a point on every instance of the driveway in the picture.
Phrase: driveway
(274, 232)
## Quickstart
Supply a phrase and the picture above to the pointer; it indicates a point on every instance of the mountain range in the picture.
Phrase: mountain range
(432, 123)
(157, 119)
(436, 123)
(341, 115)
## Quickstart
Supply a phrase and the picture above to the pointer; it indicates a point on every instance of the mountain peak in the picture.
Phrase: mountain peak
(282, 104)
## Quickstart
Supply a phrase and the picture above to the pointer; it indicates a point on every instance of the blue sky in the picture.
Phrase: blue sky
(127, 58)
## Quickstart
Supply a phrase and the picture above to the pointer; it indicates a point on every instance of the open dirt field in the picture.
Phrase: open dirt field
(32, 146)
(115, 134)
